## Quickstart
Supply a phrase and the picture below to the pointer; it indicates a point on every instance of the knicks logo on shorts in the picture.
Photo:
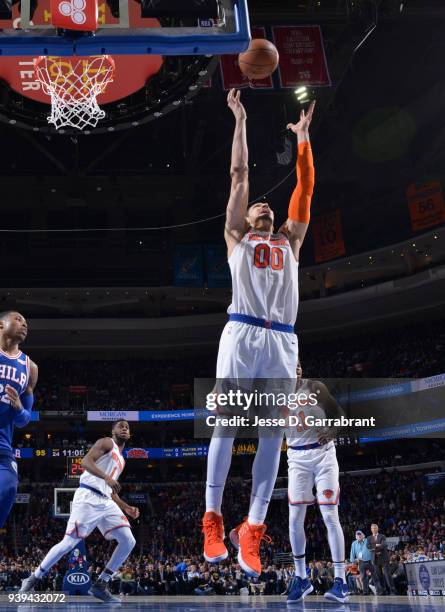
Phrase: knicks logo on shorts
(14, 466)
(328, 493)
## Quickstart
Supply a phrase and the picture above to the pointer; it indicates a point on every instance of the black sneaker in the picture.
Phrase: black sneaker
(100, 590)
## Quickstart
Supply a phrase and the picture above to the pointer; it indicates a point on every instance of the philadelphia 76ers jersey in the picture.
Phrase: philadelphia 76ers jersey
(264, 278)
(14, 371)
(112, 463)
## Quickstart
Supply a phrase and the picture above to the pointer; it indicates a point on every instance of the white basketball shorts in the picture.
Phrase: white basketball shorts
(89, 511)
(249, 352)
(316, 466)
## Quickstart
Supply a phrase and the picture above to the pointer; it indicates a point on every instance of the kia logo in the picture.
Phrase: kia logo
(78, 578)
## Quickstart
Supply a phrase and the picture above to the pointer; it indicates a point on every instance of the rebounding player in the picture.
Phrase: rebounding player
(96, 503)
(258, 342)
(312, 460)
(18, 378)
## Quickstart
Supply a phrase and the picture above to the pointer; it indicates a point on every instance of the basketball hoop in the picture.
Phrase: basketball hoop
(73, 85)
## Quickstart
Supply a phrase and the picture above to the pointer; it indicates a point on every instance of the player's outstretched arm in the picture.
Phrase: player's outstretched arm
(300, 202)
(235, 227)
(100, 448)
(22, 405)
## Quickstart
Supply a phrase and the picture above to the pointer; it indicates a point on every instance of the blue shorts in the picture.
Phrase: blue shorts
(8, 487)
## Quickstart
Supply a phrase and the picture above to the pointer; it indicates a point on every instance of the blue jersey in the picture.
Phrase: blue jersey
(14, 371)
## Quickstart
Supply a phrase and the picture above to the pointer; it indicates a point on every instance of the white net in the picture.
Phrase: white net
(73, 85)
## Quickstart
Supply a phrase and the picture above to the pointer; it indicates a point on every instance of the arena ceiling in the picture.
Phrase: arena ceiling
(377, 129)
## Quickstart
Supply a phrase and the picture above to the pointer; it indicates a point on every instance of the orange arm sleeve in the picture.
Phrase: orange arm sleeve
(300, 202)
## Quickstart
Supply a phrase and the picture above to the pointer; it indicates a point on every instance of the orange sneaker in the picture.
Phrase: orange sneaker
(213, 530)
(247, 538)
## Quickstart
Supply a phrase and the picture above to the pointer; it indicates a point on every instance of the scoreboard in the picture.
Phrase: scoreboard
(74, 467)
(74, 455)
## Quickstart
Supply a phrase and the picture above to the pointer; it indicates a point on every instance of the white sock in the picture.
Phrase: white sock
(297, 538)
(264, 475)
(336, 538)
(218, 464)
(340, 570)
(125, 544)
(106, 575)
(300, 566)
(55, 554)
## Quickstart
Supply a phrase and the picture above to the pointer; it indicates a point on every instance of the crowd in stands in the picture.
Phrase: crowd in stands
(137, 384)
(167, 559)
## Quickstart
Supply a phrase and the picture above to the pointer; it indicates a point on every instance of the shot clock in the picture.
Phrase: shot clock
(74, 467)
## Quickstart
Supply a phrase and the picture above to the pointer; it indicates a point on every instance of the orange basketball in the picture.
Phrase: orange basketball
(259, 60)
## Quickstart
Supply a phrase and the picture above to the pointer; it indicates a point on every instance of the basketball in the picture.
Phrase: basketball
(260, 60)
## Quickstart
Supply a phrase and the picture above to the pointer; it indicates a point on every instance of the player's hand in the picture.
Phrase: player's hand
(132, 512)
(115, 486)
(305, 120)
(235, 105)
(323, 438)
(13, 397)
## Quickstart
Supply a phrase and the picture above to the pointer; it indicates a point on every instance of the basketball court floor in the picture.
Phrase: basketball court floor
(239, 603)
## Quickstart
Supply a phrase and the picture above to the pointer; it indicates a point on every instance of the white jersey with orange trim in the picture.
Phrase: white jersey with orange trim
(301, 434)
(264, 278)
(112, 463)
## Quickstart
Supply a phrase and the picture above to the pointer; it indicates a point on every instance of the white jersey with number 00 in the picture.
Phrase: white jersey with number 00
(112, 463)
(264, 278)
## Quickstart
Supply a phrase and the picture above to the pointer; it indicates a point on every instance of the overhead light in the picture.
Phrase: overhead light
(302, 96)
(301, 89)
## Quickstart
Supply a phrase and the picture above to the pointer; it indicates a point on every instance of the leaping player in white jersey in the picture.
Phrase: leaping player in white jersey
(258, 342)
(96, 503)
(312, 461)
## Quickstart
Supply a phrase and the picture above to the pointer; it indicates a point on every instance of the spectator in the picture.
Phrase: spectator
(353, 578)
(204, 587)
(128, 584)
(380, 558)
(271, 581)
(361, 553)
(398, 574)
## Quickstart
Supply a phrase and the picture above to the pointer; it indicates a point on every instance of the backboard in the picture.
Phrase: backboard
(63, 501)
(159, 62)
(129, 33)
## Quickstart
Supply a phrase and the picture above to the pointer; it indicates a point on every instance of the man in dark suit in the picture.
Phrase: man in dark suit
(380, 558)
